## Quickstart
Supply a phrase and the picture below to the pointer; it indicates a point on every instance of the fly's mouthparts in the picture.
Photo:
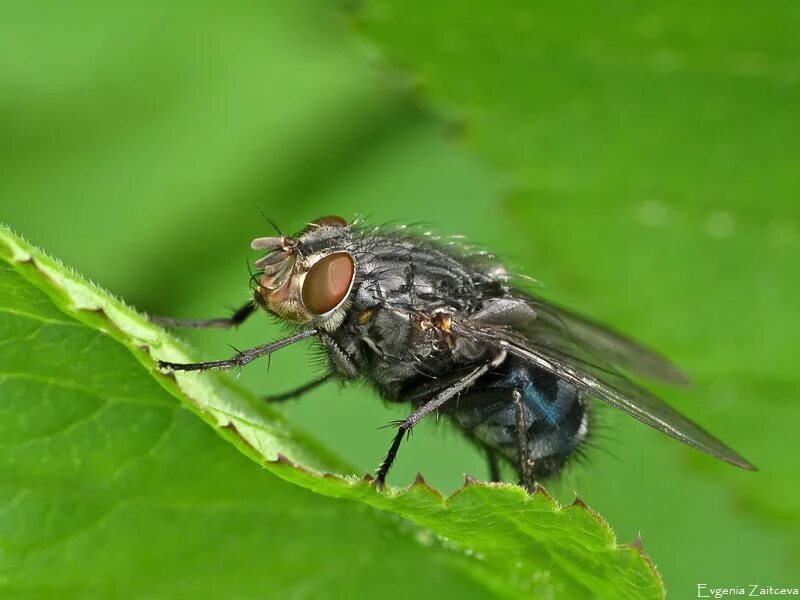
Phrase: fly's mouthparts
(269, 243)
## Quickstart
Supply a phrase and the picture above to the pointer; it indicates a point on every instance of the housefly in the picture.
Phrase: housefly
(449, 332)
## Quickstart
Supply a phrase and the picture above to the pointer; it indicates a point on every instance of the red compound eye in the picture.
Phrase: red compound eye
(327, 283)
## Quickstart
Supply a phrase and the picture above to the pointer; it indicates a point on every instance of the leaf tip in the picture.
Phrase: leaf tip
(470, 480)
(542, 491)
(579, 503)
(420, 480)
(636, 543)
(420, 483)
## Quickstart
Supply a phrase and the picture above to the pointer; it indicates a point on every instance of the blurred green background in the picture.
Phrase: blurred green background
(641, 162)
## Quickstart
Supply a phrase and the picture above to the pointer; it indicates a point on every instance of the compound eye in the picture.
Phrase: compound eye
(327, 282)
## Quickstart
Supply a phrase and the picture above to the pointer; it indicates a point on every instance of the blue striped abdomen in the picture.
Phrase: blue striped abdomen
(556, 419)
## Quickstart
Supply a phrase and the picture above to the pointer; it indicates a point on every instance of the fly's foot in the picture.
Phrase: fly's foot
(379, 483)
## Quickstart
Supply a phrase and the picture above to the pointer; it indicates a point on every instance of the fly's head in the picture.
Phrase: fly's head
(307, 277)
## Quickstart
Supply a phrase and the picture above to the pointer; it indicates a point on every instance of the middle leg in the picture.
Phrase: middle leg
(299, 391)
(427, 408)
(237, 318)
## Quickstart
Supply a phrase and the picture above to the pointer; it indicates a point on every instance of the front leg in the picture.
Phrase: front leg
(342, 363)
(242, 358)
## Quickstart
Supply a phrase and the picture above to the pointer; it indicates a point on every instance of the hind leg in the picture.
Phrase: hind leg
(524, 462)
(493, 465)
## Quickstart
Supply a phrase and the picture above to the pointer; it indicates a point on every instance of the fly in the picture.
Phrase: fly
(449, 332)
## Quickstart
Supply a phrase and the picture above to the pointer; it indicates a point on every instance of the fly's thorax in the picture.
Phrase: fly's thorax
(307, 278)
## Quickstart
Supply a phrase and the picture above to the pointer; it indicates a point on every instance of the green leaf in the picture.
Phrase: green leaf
(102, 466)
(651, 151)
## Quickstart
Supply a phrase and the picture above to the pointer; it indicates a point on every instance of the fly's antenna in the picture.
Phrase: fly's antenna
(268, 220)
(272, 224)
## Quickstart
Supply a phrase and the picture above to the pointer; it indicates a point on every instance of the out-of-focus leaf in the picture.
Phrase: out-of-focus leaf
(143, 126)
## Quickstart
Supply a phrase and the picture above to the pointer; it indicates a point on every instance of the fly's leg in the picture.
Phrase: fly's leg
(493, 464)
(525, 465)
(236, 319)
(438, 399)
(241, 359)
(299, 391)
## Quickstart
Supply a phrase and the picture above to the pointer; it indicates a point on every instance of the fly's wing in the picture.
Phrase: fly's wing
(520, 332)
(615, 348)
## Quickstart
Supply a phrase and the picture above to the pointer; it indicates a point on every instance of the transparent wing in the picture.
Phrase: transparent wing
(597, 339)
(555, 351)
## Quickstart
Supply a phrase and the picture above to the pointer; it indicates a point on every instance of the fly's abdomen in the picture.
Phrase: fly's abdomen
(556, 419)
